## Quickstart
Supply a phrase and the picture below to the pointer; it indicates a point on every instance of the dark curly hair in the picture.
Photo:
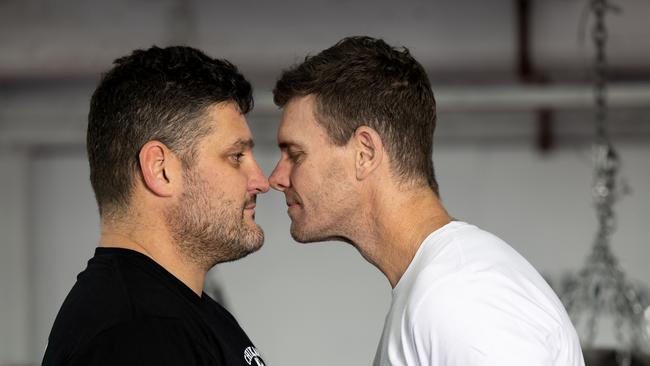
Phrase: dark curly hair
(154, 94)
(364, 81)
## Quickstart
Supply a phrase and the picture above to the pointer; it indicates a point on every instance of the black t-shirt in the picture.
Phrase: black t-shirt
(125, 309)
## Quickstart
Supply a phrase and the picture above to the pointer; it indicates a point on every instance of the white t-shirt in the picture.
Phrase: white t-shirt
(469, 299)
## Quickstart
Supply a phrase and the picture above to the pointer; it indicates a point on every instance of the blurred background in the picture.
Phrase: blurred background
(512, 148)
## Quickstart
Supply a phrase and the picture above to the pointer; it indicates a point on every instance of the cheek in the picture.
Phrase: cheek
(305, 180)
(231, 186)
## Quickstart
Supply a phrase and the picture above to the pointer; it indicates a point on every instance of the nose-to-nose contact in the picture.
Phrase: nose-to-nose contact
(279, 178)
(258, 182)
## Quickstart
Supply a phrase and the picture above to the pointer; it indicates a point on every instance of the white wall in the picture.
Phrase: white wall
(15, 276)
(322, 303)
(65, 233)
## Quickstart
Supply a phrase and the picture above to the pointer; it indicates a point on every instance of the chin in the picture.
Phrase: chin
(305, 236)
(256, 246)
(240, 252)
(298, 235)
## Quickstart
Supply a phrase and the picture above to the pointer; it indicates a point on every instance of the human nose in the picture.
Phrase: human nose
(258, 181)
(279, 178)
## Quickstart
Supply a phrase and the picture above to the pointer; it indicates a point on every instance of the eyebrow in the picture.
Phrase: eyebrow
(243, 144)
(287, 144)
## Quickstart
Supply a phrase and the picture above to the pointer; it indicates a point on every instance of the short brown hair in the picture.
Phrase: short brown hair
(364, 81)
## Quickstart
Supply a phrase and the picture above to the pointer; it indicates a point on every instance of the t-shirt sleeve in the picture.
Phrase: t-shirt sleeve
(151, 341)
(459, 328)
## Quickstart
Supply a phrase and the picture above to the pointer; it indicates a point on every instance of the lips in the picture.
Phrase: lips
(249, 208)
(250, 203)
(291, 199)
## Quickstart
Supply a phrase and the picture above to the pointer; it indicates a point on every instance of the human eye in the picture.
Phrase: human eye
(237, 157)
(294, 156)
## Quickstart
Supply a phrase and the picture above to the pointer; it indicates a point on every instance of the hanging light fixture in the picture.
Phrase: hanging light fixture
(599, 298)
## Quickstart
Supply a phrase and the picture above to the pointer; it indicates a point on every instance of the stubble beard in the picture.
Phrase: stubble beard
(309, 231)
(327, 216)
(210, 231)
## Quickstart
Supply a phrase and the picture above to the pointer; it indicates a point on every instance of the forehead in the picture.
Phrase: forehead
(227, 123)
(299, 126)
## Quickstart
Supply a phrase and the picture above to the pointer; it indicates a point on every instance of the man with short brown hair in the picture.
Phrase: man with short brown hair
(356, 141)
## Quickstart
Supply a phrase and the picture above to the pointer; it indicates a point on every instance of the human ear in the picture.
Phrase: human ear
(158, 168)
(369, 151)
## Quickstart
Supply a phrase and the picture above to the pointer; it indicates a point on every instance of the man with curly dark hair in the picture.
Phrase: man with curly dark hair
(173, 172)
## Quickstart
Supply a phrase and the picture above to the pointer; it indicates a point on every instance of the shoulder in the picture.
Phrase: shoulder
(479, 300)
(144, 341)
(478, 324)
(97, 300)
(109, 294)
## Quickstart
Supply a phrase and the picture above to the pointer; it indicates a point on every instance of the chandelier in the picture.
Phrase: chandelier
(600, 296)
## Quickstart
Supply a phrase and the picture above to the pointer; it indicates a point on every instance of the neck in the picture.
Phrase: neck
(399, 222)
(153, 241)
